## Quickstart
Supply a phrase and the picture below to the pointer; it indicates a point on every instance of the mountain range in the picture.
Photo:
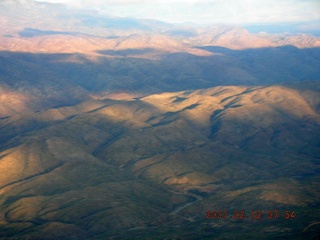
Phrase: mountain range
(122, 128)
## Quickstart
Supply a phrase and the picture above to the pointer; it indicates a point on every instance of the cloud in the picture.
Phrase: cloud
(207, 11)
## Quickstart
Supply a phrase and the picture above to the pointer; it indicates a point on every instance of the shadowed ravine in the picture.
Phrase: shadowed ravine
(164, 163)
(123, 128)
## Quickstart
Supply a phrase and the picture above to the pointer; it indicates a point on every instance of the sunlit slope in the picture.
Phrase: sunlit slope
(231, 121)
(103, 167)
(62, 187)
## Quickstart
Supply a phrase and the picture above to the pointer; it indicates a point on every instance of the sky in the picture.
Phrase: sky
(238, 12)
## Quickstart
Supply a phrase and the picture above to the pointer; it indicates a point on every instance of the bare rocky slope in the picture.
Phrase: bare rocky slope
(106, 168)
(117, 128)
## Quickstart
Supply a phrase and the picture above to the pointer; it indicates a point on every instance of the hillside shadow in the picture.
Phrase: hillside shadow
(31, 32)
(170, 72)
(127, 52)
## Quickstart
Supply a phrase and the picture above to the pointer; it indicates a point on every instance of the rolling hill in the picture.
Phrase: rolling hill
(106, 168)
(121, 128)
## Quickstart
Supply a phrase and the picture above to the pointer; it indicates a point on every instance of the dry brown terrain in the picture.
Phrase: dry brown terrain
(120, 128)
(159, 160)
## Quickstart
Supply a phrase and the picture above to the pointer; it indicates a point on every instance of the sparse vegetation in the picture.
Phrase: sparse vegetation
(106, 134)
